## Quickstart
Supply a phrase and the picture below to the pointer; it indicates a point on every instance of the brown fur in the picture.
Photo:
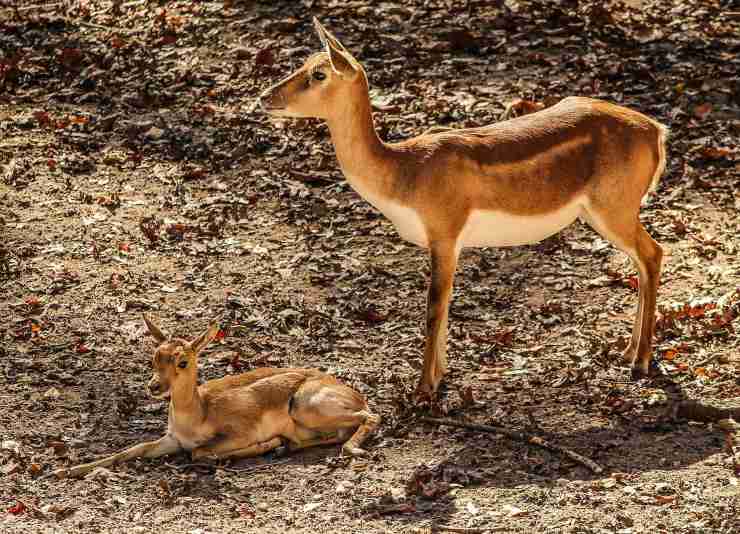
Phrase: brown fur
(527, 166)
(247, 414)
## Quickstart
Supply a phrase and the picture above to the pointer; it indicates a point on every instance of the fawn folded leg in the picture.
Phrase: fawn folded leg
(370, 422)
(328, 439)
(151, 449)
(334, 410)
(444, 262)
(235, 449)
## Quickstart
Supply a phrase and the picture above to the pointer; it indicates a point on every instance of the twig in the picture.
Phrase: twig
(698, 411)
(101, 27)
(37, 6)
(520, 436)
(466, 530)
(713, 358)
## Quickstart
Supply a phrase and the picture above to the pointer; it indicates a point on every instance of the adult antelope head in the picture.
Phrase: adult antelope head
(319, 87)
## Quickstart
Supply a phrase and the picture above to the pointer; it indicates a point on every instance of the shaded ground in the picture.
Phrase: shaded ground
(135, 179)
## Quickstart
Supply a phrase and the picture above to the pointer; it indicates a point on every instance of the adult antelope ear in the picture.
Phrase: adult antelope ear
(154, 330)
(341, 60)
(199, 343)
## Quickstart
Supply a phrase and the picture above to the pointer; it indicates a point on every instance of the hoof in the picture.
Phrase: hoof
(651, 370)
(349, 450)
(638, 374)
(426, 391)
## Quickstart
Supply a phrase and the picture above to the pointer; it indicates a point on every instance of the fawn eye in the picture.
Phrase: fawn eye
(318, 75)
(183, 364)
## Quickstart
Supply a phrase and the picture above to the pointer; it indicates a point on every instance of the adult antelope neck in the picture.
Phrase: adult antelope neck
(366, 161)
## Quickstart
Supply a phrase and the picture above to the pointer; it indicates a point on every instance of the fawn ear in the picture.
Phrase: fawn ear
(199, 343)
(154, 330)
(341, 60)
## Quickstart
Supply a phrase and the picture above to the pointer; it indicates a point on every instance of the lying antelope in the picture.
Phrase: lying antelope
(511, 183)
(243, 415)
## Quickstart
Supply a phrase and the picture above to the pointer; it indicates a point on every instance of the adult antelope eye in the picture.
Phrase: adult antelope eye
(183, 364)
(318, 75)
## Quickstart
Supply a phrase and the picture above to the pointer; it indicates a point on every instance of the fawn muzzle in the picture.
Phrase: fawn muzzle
(155, 388)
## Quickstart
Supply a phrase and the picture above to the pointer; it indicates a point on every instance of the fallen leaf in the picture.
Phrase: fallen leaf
(17, 509)
(702, 110)
(711, 152)
(264, 58)
(670, 355)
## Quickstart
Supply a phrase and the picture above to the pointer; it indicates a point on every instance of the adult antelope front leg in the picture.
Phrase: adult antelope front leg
(444, 256)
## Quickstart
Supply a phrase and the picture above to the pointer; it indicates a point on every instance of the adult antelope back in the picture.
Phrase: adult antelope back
(510, 183)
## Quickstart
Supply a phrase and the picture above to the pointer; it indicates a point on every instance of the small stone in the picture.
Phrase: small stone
(604, 484)
(344, 486)
(154, 133)
(11, 445)
(263, 506)
(664, 489)
(52, 393)
(398, 495)
(311, 506)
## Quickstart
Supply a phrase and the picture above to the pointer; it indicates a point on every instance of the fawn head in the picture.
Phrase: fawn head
(314, 89)
(175, 360)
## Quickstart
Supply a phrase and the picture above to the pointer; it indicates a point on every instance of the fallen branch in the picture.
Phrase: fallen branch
(703, 413)
(465, 530)
(520, 436)
(114, 29)
(732, 441)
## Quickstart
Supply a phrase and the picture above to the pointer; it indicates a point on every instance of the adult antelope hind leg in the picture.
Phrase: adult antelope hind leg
(628, 234)
(620, 224)
(152, 449)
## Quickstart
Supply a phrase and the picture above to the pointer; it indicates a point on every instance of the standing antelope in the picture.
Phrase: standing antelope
(243, 415)
(511, 183)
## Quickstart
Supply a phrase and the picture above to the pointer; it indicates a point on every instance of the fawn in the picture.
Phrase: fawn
(510, 183)
(243, 415)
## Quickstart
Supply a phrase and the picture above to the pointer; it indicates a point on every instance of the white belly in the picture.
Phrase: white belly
(483, 228)
(499, 229)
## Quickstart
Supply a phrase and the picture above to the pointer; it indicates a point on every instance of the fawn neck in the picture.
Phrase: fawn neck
(367, 162)
(186, 402)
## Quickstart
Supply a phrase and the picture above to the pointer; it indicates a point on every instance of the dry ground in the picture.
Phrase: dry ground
(134, 179)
